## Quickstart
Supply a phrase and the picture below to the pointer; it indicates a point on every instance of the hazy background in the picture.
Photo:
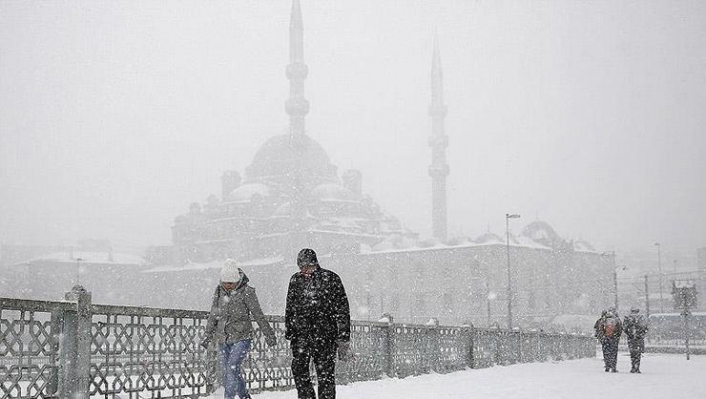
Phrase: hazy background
(114, 116)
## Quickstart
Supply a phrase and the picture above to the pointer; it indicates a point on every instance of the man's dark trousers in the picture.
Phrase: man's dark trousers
(324, 355)
(610, 352)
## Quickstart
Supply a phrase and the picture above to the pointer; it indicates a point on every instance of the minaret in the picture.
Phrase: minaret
(297, 106)
(438, 141)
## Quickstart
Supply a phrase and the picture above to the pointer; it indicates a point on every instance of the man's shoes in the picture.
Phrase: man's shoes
(613, 371)
(607, 369)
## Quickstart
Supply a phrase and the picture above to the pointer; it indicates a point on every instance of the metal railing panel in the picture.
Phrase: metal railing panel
(148, 353)
(155, 353)
(29, 346)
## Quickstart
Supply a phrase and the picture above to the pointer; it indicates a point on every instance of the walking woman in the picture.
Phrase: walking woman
(229, 326)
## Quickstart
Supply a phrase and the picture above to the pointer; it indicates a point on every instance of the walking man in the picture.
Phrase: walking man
(635, 327)
(318, 324)
(609, 330)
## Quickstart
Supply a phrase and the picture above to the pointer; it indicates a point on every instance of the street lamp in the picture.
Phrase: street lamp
(659, 265)
(615, 276)
(509, 278)
(78, 270)
(491, 297)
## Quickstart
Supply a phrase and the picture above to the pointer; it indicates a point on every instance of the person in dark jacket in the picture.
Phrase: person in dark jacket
(609, 330)
(635, 327)
(318, 324)
(229, 325)
(597, 324)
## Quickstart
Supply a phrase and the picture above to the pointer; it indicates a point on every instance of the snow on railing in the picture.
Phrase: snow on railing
(77, 349)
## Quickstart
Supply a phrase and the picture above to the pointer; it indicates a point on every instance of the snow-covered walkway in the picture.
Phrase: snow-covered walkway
(663, 376)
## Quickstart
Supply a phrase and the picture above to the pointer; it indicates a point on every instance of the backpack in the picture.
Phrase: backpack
(610, 326)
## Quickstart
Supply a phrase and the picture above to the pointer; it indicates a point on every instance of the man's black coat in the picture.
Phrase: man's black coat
(317, 308)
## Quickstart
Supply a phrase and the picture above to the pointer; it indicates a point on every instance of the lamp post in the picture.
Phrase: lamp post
(615, 276)
(509, 274)
(659, 266)
(78, 271)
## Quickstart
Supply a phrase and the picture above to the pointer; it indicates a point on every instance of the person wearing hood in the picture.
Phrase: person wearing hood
(597, 324)
(230, 326)
(609, 330)
(635, 327)
(318, 324)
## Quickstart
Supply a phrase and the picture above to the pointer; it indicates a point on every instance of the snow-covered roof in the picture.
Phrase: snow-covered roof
(523, 241)
(87, 257)
(583, 246)
(195, 266)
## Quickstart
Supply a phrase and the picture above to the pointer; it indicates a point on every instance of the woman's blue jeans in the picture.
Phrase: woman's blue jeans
(233, 356)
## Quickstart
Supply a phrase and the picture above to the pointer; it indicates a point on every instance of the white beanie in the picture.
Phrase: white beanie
(230, 272)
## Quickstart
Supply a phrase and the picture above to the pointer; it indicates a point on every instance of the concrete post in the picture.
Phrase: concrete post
(75, 346)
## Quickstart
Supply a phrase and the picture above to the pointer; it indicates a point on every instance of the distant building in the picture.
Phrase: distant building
(110, 276)
(291, 196)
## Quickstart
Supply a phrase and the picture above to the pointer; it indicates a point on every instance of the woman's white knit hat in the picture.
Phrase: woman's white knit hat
(230, 272)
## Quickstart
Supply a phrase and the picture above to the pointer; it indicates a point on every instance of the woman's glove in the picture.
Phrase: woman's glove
(271, 341)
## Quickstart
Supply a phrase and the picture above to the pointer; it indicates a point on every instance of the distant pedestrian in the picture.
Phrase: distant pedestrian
(230, 327)
(635, 327)
(597, 324)
(318, 323)
(609, 330)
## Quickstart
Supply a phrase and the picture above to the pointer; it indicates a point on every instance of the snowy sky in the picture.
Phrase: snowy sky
(114, 116)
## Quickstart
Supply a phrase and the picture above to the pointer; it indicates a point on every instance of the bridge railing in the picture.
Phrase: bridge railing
(77, 349)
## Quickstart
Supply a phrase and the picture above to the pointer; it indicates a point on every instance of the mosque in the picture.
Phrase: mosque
(292, 196)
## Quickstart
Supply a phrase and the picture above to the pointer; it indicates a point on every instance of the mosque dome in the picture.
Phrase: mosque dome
(247, 192)
(333, 192)
(490, 238)
(542, 232)
(284, 210)
(286, 154)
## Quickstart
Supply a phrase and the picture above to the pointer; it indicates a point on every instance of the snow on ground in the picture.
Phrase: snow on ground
(663, 376)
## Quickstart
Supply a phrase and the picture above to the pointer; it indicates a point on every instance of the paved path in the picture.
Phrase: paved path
(663, 376)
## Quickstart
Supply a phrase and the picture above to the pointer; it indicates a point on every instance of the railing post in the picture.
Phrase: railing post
(390, 347)
(434, 336)
(75, 346)
(468, 341)
(57, 318)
